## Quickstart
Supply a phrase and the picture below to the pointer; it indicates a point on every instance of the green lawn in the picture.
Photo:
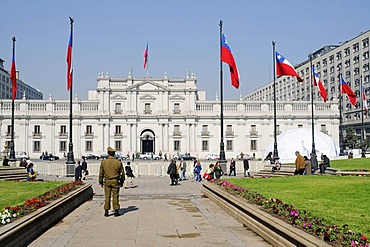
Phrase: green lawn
(13, 193)
(351, 164)
(337, 200)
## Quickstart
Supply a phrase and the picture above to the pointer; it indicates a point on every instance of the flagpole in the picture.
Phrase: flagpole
(222, 158)
(341, 148)
(275, 155)
(362, 120)
(70, 156)
(12, 146)
(312, 113)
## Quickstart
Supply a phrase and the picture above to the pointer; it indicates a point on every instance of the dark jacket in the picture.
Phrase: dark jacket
(78, 173)
(129, 172)
(172, 169)
(84, 165)
(246, 164)
(218, 172)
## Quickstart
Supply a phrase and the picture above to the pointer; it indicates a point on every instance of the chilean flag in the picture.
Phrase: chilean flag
(227, 57)
(364, 100)
(317, 83)
(69, 63)
(283, 67)
(146, 56)
(347, 90)
(13, 77)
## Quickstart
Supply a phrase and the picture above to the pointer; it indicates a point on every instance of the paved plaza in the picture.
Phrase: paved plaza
(152, 214)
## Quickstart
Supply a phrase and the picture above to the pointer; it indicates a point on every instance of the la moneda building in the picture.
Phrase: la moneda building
(171, 115)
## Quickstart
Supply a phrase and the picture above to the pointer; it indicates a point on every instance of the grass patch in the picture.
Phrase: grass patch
(351, 164)
(337, 200)
(13, 193)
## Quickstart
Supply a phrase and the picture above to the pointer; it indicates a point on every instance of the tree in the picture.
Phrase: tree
(351, 140)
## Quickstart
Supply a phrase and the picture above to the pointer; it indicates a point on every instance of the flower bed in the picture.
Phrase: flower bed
(30, 205)
(301, 219)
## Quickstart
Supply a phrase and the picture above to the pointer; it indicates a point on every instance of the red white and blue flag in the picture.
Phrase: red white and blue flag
(283, 67)
(227, 57)
(13, 77)
(364, 100)
(317, 83)
(347, 90)
(146, 56)
(69, 62)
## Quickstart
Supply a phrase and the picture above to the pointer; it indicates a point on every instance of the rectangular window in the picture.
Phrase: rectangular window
(62, 146)
(118, 130)
(205, 146)
(176, 108)
(89, 146)
(117, 108)
(9, 132)
(118, 145)
(89, 130)
(36, 146)
(147, 109)
(300, 126)
(37, 130)
(253, 145)
(176, 145)
(229, 145)
(176, 130)
(63, 129)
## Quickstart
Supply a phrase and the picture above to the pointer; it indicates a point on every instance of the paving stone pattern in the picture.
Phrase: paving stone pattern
(152, 214)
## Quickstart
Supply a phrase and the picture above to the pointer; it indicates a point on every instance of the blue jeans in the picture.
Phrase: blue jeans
(198, 177)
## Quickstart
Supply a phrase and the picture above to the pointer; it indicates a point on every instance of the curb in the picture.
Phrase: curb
(23, 231)
(270, 228)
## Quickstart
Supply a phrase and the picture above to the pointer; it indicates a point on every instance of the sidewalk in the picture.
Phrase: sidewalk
(153, 214)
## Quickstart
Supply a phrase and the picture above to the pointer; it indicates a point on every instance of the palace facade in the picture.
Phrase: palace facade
(168, 115)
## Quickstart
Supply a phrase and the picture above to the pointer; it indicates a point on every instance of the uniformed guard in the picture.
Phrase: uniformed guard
(112, 176)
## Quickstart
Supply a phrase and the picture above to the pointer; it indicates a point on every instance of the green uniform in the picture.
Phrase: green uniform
(112, 175)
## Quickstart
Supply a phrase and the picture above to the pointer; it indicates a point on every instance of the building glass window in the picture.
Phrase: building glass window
(253, 145)
(63, 130)
(89, 130)
(36, 146)
(300, 125)
(229, 145)
(62, 146)
(205, 146)
(118, 145)
(176, 108)
(118, 108)
(88, 146)
(118, 130)
(147, 109)
(176, 146)
(36, 129)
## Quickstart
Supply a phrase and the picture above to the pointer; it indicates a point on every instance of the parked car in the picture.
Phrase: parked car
(50, 157)
(20, 156)
(104, 156)
(91, 157)
(187, 156)
(212, 157)
(120, 156)
(149, 155)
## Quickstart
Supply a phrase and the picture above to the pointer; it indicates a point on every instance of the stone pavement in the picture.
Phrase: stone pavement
(152, 214)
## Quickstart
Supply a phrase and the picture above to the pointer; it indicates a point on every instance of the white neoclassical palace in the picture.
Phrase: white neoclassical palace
(156, 114)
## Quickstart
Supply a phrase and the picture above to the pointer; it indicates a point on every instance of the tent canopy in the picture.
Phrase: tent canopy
(301, 140)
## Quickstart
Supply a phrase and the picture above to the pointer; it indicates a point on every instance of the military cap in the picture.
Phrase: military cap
(111, 149)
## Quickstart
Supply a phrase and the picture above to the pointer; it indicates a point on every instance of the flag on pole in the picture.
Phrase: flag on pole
(364, 100)
(283, 67)
(347, 90)
(69, 62)
(317, 83)
(13, 77)
(227, 57)
(146, 56)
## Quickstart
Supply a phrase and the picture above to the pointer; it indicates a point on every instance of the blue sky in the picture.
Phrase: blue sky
(183, 36)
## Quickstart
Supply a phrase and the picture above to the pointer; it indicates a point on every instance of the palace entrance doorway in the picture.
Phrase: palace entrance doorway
(147, 141)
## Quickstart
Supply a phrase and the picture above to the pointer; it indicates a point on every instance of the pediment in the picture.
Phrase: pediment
(177, 97)
(147, 86)
(117, 97)
(147, 97)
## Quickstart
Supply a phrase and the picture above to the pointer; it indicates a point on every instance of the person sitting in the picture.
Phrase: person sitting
(31, 174)
(325, 163)
(209, 174)
(277, 166)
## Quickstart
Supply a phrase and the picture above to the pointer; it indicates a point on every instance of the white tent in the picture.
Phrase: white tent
(301, 140)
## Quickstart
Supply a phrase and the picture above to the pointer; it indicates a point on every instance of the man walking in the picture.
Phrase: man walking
(111, 177)
(84, 168)
(300, 165)
(232, 167)
(172, 171)
(182, 169)
(246, 168)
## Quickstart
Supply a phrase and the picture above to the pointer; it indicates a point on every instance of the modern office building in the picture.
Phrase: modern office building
(351, 59)
(23, 90)
(168, 115)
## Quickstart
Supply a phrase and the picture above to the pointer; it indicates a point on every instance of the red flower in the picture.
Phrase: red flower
(7, 207)
(363, 238)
